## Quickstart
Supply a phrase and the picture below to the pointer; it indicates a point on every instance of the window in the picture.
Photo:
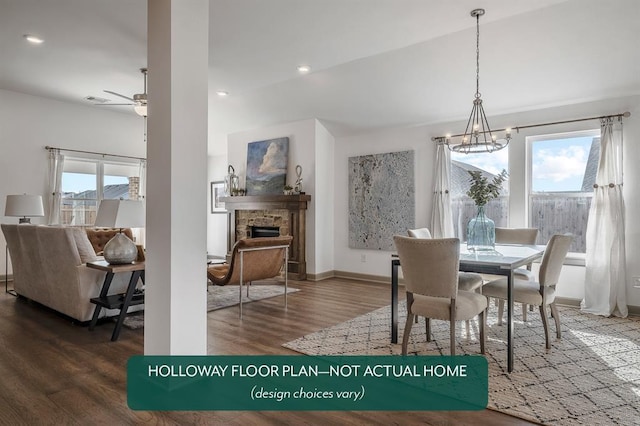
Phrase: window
(562, 171)
(117, 180)
(85, 182)
(463, 207)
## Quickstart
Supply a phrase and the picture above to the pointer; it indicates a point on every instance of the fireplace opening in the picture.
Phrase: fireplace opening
(264, 231)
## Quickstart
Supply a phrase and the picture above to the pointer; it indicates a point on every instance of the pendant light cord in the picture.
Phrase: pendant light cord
(477, 55)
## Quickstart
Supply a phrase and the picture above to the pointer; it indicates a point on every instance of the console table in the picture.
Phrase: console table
(120, 301)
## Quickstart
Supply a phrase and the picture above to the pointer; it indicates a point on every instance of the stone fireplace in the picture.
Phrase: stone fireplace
(250, 221)
(264, 231)
(270, 215)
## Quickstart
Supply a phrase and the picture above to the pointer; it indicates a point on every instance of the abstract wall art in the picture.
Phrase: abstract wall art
(381, 199)
(267, 166)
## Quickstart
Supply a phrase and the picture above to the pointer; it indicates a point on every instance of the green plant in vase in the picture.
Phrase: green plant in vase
(481, 231)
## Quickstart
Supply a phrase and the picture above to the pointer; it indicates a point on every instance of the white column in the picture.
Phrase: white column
(175, 301)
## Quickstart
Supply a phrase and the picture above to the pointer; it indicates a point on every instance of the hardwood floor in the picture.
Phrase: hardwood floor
(55, 372)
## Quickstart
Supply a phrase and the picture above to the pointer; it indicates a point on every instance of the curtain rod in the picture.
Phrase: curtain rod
(625, 114)
(49, 148)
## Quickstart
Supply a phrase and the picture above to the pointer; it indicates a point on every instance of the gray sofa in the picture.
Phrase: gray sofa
(49, 267)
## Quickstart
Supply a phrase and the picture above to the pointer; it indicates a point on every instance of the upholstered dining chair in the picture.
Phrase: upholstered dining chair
(419, 233)
(430, 268)
(517, 236)
(543, 292)
(467, 281)
(253, 259)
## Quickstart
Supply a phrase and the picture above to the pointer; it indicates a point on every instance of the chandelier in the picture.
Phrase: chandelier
(477, 136)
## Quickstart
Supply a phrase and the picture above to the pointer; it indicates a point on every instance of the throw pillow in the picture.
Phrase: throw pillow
(85, 249)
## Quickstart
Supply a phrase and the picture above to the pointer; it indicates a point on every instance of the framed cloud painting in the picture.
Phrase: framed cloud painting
(267, 166)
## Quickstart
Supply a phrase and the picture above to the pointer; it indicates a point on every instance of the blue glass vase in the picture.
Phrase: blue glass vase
(481, 232)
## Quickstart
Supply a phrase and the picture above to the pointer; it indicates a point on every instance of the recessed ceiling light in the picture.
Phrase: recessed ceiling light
(303, 69)
(33, 39)
(222, 93)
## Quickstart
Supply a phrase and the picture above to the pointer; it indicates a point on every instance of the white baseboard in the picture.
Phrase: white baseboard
(352, 276)
(633, 310)
(321, 276)
(566, 301)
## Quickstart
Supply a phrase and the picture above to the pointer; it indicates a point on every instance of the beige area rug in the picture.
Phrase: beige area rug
(591, 376)
(219, 297)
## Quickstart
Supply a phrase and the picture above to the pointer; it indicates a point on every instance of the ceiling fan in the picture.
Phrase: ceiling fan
(139, 100)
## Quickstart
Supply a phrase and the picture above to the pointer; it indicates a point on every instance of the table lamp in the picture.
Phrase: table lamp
(120, 214)
(24, 206)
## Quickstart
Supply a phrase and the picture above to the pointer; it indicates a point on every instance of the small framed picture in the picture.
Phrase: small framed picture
(217, 191)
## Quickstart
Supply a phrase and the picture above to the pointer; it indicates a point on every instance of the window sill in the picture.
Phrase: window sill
(572, 259)
(575, 259)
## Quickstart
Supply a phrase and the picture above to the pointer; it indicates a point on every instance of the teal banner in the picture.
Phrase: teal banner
(292, 382)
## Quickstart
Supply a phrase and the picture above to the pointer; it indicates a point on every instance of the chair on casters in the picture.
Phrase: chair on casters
(430, 268)
(517, 236)
(467, 281)
(542, 292)
(253, 259)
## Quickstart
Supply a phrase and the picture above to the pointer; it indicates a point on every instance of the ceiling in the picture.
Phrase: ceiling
(375, 63)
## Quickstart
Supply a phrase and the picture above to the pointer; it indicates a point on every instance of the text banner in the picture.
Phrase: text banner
(291, 382)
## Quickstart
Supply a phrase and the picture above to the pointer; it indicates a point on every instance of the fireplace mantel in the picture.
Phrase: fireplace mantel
(296, 205)
(267, 202)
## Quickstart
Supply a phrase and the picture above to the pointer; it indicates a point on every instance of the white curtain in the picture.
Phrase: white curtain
(441, 217)
(56, 166)
(605, 283)
(139, 233)
(142, 173)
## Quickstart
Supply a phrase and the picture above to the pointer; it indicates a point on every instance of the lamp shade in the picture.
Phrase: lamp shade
(120, 214)
(24, 205)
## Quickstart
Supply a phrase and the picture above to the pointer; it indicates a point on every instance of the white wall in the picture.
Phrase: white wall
(29, 123)
(419, 139)
(324, 199)
(393, 140)
(631, 191)
(309, 143)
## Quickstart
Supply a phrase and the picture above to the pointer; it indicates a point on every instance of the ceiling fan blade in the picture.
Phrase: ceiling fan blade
(118, 94)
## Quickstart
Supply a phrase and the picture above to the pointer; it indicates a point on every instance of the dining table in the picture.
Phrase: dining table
(503, 260)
